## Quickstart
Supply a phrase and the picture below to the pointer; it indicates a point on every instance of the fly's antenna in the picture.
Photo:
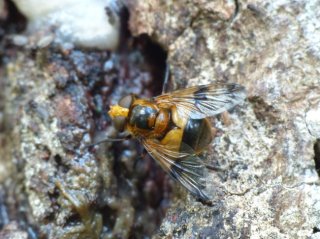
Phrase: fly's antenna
(108, 140)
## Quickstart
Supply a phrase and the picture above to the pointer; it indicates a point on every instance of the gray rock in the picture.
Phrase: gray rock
(269, 186)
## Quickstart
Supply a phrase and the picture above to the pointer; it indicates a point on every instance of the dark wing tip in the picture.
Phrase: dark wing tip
(233, 87)
(238, 91)
(201, 196)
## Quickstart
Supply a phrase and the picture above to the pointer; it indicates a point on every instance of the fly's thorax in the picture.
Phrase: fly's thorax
(142, 117)
(147, 120)
(163, 122)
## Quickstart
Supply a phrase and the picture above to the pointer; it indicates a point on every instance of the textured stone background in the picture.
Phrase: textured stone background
(53, 101)
(270, 186)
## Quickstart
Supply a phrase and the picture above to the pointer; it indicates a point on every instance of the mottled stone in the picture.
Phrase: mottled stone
(12, 231)
(269, 186)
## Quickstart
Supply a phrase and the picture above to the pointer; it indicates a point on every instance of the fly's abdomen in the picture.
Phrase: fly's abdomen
(197, 134)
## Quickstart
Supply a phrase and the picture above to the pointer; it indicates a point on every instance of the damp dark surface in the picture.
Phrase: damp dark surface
(140, 184)
(14, 216)
(11, 22)
(100, 78)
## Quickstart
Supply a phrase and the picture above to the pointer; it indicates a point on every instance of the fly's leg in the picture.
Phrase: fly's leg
(216, 168)
(166, 79)
(225, 118)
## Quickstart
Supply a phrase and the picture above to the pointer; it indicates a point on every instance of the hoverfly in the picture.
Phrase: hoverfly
(174, 129)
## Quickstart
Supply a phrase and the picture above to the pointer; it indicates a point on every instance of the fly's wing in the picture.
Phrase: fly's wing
(185, 167)
(203, 101)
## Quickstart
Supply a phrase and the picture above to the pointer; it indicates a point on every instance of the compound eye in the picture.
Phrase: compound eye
(126, 101)
(119, 123)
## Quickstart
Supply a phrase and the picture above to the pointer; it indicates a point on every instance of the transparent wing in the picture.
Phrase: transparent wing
(205, 100)
(185, 167)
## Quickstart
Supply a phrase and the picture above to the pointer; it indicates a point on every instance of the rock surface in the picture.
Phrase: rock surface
(91, 24)
(269, 187)
(53, 105)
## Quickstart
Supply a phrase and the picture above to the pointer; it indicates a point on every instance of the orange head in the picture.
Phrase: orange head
(116, 110)
(119, 113)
